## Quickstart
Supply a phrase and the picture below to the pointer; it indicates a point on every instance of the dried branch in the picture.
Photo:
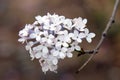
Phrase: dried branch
(103, 36)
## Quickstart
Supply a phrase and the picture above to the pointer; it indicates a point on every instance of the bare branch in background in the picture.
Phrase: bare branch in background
(103, 36)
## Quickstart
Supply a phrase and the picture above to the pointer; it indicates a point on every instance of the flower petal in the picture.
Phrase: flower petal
(84, 21)
(89, 39)
(79, 40)
(55, 53)
(45, 69)
(62, 55)
(86, 31)
(76, 32)
(45, 50)
(38, 55)
(38, 38)
(82, 35)
(58, 44)
(32, 35)
(55, 61)
(71, 34)
(91, 35)
(77, 48)
(21, 40)
(69, 55)
(65, 44)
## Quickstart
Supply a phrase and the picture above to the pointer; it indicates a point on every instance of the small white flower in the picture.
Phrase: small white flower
(79, 23)
(63, 39)
(41, 19)
(58, 28)
(48, 64)
(60, 52)
(69, 52)
(54, 52)
(47, 37)
(53, 68)
(68, 24)
(36, 34)
(22, 39)
(40, 50)
(54, 61)
(89, 36)
(78, 36)
(25, 31)
(28, 47)
(75, 46)
(45, 67)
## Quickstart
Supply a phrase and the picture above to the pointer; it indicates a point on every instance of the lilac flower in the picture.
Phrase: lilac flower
(53, 37)
(89, 36)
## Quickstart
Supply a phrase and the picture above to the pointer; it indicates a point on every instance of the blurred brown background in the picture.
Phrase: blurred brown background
(15, 63)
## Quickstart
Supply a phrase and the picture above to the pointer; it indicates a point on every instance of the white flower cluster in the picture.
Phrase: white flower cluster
(54, 37)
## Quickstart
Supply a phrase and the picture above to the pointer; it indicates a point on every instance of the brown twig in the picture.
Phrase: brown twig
(86, 52)
(103, 36)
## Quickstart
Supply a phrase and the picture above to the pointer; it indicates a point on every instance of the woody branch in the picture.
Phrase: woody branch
(103, 36)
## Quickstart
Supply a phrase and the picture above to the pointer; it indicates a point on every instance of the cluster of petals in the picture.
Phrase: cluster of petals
(54, 37)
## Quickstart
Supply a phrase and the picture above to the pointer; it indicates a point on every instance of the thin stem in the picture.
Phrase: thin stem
(103, 36)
